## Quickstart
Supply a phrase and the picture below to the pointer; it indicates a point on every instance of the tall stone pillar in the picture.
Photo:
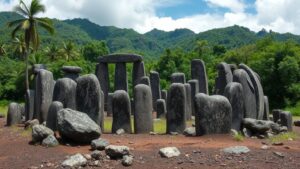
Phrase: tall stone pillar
(138, 72)
(121, 77)
(103, 77)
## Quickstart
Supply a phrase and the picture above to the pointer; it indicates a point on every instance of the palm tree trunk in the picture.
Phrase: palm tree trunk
(26, 71)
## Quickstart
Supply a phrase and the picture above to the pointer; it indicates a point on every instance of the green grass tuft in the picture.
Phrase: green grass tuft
(238, 137)
(283, 137)
(3, 110)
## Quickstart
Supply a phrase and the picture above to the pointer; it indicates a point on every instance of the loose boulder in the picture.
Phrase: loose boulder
(116, 152)
(76, 160)
(257, 126)
(236, 150)
(50, 141)
(169, 152)
(77, 126)
(40, 132)
(99, 144)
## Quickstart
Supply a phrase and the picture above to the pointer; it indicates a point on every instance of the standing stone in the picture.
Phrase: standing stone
(102, 111)
(176, 108)
(143, 122)
(243, 78)
(161, 109)
(71, 72)
(266, 108)
(121, 77)
(103, 77)
(198, 71)
(259, 93)
(164, 95)
(37, 67)
(121, 111)
(138, 72)
(234, 94)
(145, 80)
(194, 91)
(188, 107)
(54, 108)
(29, 105)
(13, 114)
(224, 77)
(132, 106)
(276, 115)
(233, 67)
(286, 119)
(65, 92)
(109, 104)
(88, 97)
(155, 87)
(213, 114)
(43, 94)
(178, 78)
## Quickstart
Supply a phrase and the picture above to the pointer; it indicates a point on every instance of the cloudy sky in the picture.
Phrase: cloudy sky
(197, 15)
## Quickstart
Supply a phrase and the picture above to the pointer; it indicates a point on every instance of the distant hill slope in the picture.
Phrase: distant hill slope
(150, 44)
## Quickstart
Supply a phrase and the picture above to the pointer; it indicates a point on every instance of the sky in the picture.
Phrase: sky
(197, 15)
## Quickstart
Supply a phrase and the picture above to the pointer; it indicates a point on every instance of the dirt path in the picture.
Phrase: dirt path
(196, 152)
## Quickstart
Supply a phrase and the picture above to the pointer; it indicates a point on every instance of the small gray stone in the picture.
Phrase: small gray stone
(116, 152)
(50, 141)
(76, 160)
(99, 144)
(279, 154)
(247, 132)
(236, 150)
(31, 123)
(127, 160)
(265, 147)
(96, 154)
(190, 131)
(120, 131)
(40, 132)
(169, 152)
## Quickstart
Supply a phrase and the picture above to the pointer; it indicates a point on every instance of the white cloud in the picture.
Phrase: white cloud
(278, 15)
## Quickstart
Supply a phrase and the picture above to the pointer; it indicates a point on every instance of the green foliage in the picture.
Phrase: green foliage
(238, 137)
(283, 137)
(94, 49)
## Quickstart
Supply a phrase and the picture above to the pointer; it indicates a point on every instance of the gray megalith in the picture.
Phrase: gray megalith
(198, 71)
(224, 77)
(13, 114)
(54, 108)
(155, 87)
(178, 78)
(65, 92)
(161, 108)
(121, 82)
(194, 91)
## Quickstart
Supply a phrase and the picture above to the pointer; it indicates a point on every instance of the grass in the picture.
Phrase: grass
(295, 110)
(238, 137)
(283, 137)
(3, 110)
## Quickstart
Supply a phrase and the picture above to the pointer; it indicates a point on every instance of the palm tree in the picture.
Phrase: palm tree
(52, 51)
(19, 46)
(29, 25)
(2, 49)
(69, 51)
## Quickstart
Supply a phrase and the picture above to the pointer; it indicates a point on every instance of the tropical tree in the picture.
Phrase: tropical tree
(29, 25)
(2, 49)
(19, 46)
(69, 51)
(52, 51)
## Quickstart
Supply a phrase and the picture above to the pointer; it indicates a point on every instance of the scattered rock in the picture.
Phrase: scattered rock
(233, 132)
(247, 132)
(152, 133)
(278, 144)
(169, 152)
(96, 155)
(283, 129)
(87, 156)
(95, 163)
(50, 141)
(116, 152)
(297, 123)
(120, 131)
(265, 147)
(190, 131)
(76, 160)
(31, 123)
(279, 154)
(99, 144)
(174, 133)
(236, 150)
(40, 132)
(77, 126)
(127, 160)
(257, 126)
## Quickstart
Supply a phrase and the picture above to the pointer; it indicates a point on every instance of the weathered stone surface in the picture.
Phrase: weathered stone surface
(65, 92)
(116, 152)
(99, 144)
(76, 160)
(257, 126)
(188, 106)
(155, 87)
(50, 141)
(176, 108)
(242, 77)
(236, 150)
(286, 119)
(297, 123)
(198, 72)
(145, 80)
(31, 123)
(127, 160)
(213, 114)
(120, 131)
(143, 122)
(103, 77)
(234, 93)
(178, 78)
(71, 72)
(259, 93)
(88, 97)
(121, 111)
(190, 131)
(276, 115)
(164, 95)
(77, 126)
(120, 58)
(102, 110)
(37, 67)
(233, 67)
(29, 105)
(40, 132)
(121, 82)
(52, 115)
(266, 108)
(14, 115)
(109, 105)
(161, 108)
(44, 86)
(194, 90)
(224, 77)
(169, 152)
(138, 72)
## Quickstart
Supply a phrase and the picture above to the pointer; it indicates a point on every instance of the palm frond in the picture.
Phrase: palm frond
(13, 33)
(36, 7)
(16, 22)
(46, 24)
(23, 5)
(21, 11)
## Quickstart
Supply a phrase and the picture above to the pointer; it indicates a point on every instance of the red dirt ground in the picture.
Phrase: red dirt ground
(196, 152)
